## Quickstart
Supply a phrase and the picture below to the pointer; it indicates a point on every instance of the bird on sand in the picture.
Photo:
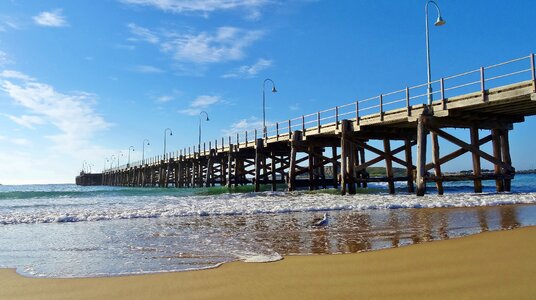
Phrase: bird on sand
(321, 222)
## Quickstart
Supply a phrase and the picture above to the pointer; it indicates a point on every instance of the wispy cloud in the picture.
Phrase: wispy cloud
(224, 44)
(16, 141)
(203, 7)
(4, 59)
(164, 98)
(199, 103)
(243, 125)
(146, 69)
(249, 71)
(51, 19)
(142, 34)
(26, 120)
(71, 113)
(8, 23)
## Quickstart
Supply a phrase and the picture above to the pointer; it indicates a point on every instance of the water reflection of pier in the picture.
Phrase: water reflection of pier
(350, 231)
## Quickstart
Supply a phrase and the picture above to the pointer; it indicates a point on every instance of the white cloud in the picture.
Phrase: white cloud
(8, 23)
(249, 71)
(16, 141)
(26, 121)
(243, 125)
(51, 19)
(143, 34)
(72, 114)
(294, 107)
(203, 7)
(4, 59)
(21, 142)
(164, 98)
(147, 69)
(226, 44)
(199, 103)
(15, 75)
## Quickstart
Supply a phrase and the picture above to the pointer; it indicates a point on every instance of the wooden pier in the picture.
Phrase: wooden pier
(394, 127)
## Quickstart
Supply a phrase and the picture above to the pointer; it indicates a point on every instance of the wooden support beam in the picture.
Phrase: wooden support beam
(311, 168)
(505, 150)
(272, 170)
(498, 156)
(296, 138)
(464, 145)
(344, 158)
(229, 165)
(364, 172)
(258, 161)
(347, 160)
(437, 165)
(382, 156)
(421, 156)
(334, 163)
(409, 165)
(389, 166)
(457, 153)
(209, 174)
(477, 170)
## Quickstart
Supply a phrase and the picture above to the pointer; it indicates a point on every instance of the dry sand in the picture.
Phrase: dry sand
(494, 265)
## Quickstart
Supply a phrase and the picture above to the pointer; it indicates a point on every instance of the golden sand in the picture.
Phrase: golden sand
(494, 265)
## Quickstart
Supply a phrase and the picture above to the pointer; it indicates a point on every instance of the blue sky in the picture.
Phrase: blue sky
(82, 80)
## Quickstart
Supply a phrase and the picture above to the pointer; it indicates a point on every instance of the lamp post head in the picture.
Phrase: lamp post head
(170, 133)
(273, 89)
(440, 21)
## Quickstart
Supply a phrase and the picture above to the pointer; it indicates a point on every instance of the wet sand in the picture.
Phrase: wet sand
(490, 265)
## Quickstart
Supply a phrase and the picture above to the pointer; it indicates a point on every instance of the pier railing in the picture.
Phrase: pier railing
(478, 80)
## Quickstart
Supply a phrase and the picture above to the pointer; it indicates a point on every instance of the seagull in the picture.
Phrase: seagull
(321, 222)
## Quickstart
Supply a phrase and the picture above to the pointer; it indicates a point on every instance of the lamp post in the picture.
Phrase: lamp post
(165, 135)
(200, 119)
(112, 158)
(264, 103)
(131, 147)
(143, 151)
(105, 161)
(438, 22)
(118, 156)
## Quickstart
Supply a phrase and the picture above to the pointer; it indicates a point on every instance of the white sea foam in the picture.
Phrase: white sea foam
(250, 257)
(114, 208)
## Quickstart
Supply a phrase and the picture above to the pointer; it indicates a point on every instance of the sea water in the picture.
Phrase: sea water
(72, 231)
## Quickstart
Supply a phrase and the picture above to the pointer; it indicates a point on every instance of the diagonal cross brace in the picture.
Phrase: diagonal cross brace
(470, 148)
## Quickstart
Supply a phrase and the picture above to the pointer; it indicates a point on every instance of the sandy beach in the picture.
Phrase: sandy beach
(491, 265)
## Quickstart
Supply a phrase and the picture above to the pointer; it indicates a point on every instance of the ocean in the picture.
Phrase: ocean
(65, 231)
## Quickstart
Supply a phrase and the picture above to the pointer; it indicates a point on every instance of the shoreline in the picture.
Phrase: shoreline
(491, 265)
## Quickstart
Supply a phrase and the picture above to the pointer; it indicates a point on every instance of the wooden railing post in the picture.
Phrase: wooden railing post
(303, 124)
(277, 131)
(533, 68)
(318, 121)
(289, 129)
(246, 134)
(408, 106)
(337, 117)
(357, 112)
(442, 87)
(482, 84)
(381, 107)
